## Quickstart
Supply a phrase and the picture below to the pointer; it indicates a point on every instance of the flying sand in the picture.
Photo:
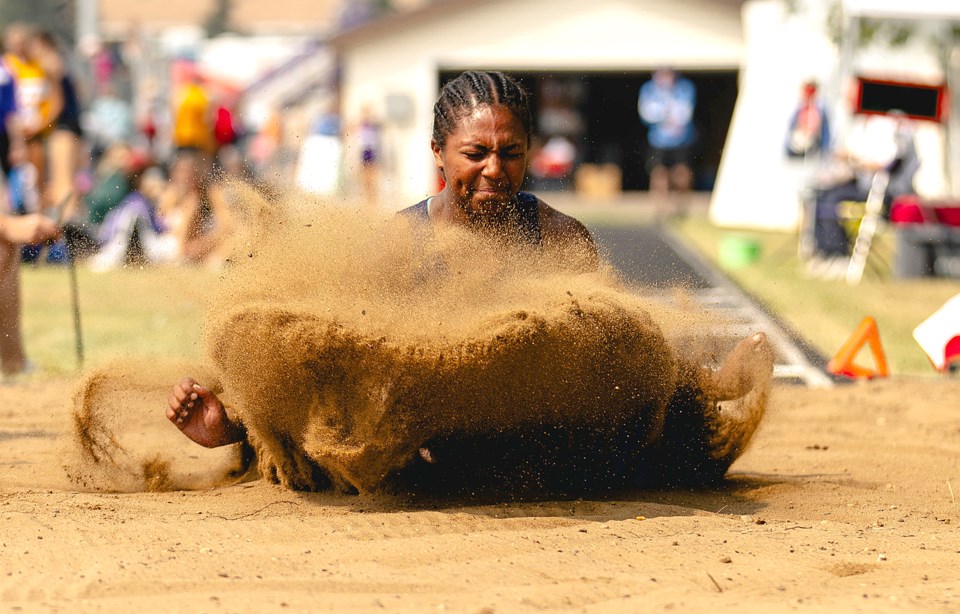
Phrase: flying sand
(476, 338)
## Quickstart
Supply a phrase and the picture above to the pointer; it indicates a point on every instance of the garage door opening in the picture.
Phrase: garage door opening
(596, 114)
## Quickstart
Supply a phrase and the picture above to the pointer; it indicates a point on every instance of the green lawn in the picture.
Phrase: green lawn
(131, 312)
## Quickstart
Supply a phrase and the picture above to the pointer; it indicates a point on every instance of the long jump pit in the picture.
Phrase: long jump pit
(845, 499)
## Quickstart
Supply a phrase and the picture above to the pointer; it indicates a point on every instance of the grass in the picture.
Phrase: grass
(149, 312)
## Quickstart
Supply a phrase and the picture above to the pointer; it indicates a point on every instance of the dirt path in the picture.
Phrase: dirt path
(845, 502)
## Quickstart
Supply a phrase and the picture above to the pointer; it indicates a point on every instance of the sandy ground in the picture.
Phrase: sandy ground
(845, 502)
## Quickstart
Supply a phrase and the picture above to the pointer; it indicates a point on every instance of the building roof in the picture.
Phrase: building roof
(399, 21)
(256, 16)
(427, 11)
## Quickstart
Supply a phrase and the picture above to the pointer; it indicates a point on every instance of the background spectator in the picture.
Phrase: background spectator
(876, 143)
(64, 139)
(109, 121)
(191, 117)
(134, 229)
(666, 104)
(809, 131)
(13, 150)
(195, 209)
(33, 102)
(15, 230)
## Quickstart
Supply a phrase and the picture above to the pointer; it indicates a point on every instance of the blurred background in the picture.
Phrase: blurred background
(289, 70)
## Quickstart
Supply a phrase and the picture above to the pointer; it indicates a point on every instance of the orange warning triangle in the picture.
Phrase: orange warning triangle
(843, 361)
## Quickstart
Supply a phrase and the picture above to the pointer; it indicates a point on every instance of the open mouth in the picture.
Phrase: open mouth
(493, 190)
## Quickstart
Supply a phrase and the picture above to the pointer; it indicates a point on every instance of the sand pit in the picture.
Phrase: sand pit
(842, 503)
(845, 501)
(349, 342)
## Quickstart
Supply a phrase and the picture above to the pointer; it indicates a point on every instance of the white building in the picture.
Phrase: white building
(394, 68)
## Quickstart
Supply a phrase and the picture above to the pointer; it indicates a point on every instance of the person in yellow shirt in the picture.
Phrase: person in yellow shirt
(191, 119)
(34, 98)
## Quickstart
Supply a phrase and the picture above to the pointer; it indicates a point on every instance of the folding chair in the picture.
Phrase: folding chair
(872, 218)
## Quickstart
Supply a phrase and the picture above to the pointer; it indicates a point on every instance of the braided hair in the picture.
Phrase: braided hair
(474, 89)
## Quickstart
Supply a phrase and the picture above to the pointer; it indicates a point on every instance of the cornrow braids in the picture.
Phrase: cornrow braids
(473, 89)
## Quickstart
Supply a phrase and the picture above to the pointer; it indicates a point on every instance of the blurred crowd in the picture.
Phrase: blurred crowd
(105, 183)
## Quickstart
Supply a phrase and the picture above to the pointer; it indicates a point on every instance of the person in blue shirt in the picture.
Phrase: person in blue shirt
(809, 128)
(12, 148)
(666, 104)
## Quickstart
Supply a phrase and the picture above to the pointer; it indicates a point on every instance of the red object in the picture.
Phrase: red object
(139, 160)
(912, 210)
(906, 210)
(149, 129)
(948, 215)
(223, 130)
(951, 353)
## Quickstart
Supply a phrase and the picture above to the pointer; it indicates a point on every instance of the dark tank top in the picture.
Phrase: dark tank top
(69, 118)
(527, 204)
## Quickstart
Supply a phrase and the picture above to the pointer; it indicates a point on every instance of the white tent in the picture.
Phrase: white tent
(757, 187)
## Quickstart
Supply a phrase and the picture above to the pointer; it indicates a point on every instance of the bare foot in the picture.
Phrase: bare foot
(746, 366)
(200, 415)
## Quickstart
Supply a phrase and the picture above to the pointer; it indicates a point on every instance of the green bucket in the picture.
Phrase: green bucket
(737, 251)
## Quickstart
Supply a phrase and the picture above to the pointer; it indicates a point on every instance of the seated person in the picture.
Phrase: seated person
(135, 225)
(110, 185)
(880, 143)
(194, 208)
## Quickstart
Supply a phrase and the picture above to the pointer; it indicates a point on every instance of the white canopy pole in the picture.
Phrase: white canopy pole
(952, 69)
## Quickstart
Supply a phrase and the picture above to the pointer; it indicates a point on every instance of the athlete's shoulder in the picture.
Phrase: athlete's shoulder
(557, 225)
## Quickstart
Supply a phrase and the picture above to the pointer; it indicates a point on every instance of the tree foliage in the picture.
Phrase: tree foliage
(56, 16)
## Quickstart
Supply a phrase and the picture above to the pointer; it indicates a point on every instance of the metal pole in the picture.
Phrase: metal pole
(952, 74)
(60, 210)
(87, 25)
(845, 71)
(75, 298)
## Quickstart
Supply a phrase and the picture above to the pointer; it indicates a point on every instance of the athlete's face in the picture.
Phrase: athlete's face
(484, 160)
